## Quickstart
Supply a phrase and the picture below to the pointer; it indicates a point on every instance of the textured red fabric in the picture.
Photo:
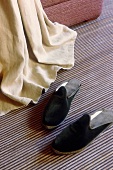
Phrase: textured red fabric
(48, 3)
(72, 12)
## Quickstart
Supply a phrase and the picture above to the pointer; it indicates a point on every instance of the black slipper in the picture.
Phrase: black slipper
(59, 104)
(79, 134)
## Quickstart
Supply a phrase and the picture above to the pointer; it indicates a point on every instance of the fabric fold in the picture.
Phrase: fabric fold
(32, 50)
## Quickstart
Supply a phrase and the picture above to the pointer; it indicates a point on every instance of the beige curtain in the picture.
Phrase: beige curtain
(32, 50)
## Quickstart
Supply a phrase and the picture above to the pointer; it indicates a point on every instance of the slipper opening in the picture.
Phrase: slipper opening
(101, 117)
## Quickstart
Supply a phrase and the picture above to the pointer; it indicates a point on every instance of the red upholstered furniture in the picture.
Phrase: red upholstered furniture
(71, 12)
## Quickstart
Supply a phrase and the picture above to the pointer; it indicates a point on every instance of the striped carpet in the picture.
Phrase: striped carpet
(26, 145)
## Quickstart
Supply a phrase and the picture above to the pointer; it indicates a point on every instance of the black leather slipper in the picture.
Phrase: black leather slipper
(79, 134)
(59, 104)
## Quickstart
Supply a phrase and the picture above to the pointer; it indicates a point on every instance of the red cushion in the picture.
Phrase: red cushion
(72, 12)
(48, 3)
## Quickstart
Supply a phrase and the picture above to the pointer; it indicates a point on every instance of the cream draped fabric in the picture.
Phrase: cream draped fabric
(32, 50)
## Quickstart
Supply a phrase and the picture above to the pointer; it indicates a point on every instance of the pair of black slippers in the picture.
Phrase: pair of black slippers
(80, 133)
